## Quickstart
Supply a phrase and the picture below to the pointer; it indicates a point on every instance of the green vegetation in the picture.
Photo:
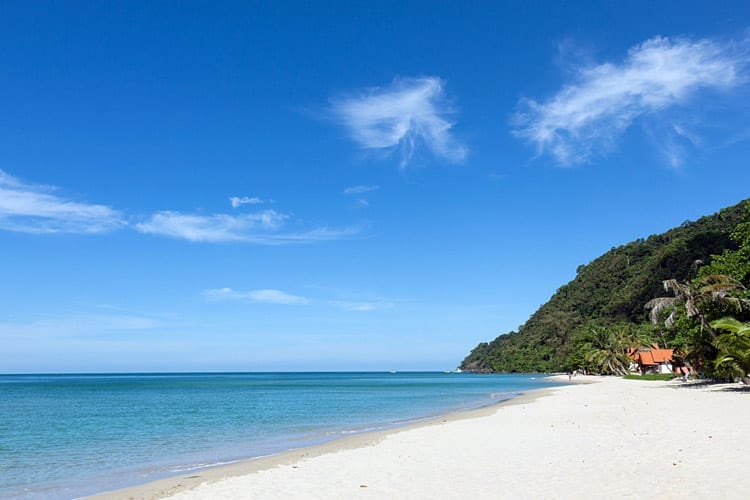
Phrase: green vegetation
(703, 265)
(602, 349)
(734, 262)
(650, 376)
(733, 357)
(708, 290)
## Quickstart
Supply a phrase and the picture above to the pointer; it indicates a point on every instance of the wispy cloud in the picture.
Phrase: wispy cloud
(237, 201)
(675, 142)
(360, 189)
(81, 324)
(273, 296)
(406, 114)
(360, 306)
(311, 235)
(34, 209)
(586, 117)
(212, 228)
(264, 296)
(266, 228)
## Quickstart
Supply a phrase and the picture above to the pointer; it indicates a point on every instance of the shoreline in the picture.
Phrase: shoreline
(164, 487)
(608, 438)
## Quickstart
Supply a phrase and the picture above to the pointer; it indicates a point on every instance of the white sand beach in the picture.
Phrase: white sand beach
(611, 438)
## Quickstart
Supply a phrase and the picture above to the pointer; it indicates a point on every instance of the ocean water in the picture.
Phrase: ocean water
(65, 436)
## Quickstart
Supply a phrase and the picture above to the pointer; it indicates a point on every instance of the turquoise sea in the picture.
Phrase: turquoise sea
(65, 436)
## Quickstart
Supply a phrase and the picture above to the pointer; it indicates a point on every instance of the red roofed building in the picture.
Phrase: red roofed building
(653, 360)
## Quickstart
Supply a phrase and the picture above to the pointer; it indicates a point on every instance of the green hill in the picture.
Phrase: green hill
(611, 289)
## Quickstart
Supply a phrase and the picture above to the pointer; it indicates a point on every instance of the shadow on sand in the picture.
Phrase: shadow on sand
(713, 386)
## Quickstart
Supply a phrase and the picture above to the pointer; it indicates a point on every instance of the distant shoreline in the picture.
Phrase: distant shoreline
(573, 441)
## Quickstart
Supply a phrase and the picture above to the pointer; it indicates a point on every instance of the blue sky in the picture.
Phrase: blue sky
(341, 185)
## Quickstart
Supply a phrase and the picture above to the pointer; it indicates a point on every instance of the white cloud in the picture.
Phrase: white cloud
(273, 296)
(237, 201)
(359, 306)
(674, 142)
(360, 189)
(33, 209)
(585, 117)
(264, 228)
(683, 132)
(408, 113)
(264, 296)
(356, 190)
(80, 324)
(311, 235)
(212, 228)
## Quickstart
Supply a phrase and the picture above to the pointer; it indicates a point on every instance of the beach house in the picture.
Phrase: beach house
(651, 360)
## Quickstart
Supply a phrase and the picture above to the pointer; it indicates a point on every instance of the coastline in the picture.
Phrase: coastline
(184, 483)
(82, 434)
(609, 439)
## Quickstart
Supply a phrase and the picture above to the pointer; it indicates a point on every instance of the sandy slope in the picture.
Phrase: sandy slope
(610, 439)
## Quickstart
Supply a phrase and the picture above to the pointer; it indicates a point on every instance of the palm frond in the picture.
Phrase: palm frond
(729, 324)
(672, 285)
(669, 322)
(719, 279)
(657, 306)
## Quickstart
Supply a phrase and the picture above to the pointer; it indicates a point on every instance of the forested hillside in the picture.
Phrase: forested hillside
(610, 290)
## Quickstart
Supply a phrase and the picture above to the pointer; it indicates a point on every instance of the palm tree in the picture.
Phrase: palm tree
(605, 351)
(734, 347)
(713, 288)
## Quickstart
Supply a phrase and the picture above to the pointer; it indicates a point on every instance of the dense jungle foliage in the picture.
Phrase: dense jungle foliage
(604, 305)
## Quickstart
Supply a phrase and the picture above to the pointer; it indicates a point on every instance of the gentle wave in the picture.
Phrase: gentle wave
(129, 429)
(205, 466)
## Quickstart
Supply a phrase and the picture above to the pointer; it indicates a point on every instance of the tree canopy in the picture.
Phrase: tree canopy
(613, 289)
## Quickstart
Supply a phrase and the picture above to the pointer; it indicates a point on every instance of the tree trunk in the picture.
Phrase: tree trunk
(705, 324)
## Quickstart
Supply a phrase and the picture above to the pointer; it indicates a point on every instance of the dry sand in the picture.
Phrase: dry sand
(609, 439)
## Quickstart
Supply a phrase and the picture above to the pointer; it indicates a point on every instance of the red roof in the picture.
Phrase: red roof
(662, 355)
(655, 356)
(646, 358)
